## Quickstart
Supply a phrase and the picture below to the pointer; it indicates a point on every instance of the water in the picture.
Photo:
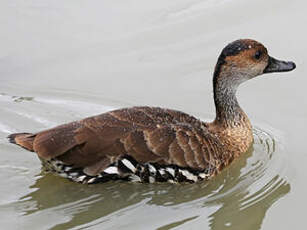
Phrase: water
(62, 61)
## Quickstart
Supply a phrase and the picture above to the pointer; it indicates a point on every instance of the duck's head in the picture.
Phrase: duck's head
(244, 59)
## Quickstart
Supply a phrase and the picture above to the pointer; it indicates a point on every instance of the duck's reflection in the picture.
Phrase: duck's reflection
(236, 209)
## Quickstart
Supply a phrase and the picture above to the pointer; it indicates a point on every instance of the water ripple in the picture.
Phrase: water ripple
(252, 183)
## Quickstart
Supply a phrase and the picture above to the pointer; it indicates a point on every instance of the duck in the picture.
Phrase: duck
(153, 144)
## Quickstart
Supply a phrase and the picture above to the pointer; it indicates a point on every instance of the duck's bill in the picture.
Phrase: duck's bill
(275, 65)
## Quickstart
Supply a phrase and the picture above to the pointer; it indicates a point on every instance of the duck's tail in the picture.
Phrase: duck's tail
(24, 140)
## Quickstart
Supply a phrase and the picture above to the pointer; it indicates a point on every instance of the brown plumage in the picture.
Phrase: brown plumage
(149, 137)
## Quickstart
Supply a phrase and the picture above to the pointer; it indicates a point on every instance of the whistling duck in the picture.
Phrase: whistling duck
(149, 144)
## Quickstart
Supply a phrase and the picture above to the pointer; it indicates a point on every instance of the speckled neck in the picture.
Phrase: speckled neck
(225, 85)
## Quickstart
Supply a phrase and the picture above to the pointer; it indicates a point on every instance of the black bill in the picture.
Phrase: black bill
(275, 65)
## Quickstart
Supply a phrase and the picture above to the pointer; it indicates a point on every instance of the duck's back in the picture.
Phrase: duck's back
(146, 134)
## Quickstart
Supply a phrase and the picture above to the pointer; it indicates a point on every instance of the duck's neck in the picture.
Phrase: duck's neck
(228, 110)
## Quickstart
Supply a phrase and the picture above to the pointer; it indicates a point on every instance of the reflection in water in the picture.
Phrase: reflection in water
(241, 195)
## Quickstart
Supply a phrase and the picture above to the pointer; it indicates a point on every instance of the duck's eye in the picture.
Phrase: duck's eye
(258, 55)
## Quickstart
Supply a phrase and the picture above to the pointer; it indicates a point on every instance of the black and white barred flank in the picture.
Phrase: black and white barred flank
(127, 168)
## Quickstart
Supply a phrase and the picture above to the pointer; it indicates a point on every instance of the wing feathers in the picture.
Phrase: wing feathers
(147, 134)
(159, 139)
(54, 142)
(136, 146)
